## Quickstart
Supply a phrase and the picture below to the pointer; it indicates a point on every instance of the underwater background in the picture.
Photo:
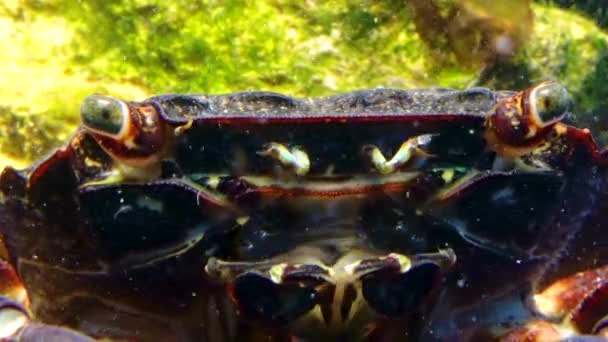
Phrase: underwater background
(56, 52)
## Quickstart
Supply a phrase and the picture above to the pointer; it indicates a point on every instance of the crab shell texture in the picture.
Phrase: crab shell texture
(373, 215)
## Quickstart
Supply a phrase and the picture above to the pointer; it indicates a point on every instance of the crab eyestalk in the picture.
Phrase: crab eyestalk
(133, 135)
(520, 123)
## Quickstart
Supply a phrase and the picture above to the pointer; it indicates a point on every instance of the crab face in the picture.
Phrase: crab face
(370, 215)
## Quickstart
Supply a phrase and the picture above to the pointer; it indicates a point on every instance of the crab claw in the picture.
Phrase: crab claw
(591, 314)
(565, 295)
(15, 326)
(580, 301)
(575, 309)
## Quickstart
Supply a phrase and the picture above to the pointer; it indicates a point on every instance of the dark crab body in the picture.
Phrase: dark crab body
(373, 214)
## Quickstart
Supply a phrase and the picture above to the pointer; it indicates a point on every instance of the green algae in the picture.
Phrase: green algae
(59, 51)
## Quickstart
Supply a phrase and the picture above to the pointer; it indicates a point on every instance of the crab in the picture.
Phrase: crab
(573, 306)
(377, 214)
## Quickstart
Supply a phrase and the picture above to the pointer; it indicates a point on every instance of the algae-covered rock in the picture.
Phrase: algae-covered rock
(474, 32)
(40, 89)
(55, 52)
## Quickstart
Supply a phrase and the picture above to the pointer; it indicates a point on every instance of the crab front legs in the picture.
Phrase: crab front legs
(16, 325)
(15, 319)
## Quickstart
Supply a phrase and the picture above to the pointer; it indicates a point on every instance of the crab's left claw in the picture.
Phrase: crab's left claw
(575, 309)
(15, 325)
(15, 320)
(13, 317)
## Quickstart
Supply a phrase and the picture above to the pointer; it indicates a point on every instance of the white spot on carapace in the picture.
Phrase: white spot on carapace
(276, 272)
(515, 122)
(241, 221)
(560, 129)
(531, 132)
(213, 182)
(447, 175)
(505, 194)
(150, 203)
(129, 143)
(350, 268)
(92, 163)
(122, 210)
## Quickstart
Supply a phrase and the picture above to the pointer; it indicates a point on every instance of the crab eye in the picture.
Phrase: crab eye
(397, 294)
(550, 101)
(260, 298)
(103, 114)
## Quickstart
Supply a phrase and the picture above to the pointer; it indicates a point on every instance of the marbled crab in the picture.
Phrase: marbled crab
(379, 214)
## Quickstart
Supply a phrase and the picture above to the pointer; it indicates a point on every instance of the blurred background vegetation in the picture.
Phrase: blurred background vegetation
(55, 52)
